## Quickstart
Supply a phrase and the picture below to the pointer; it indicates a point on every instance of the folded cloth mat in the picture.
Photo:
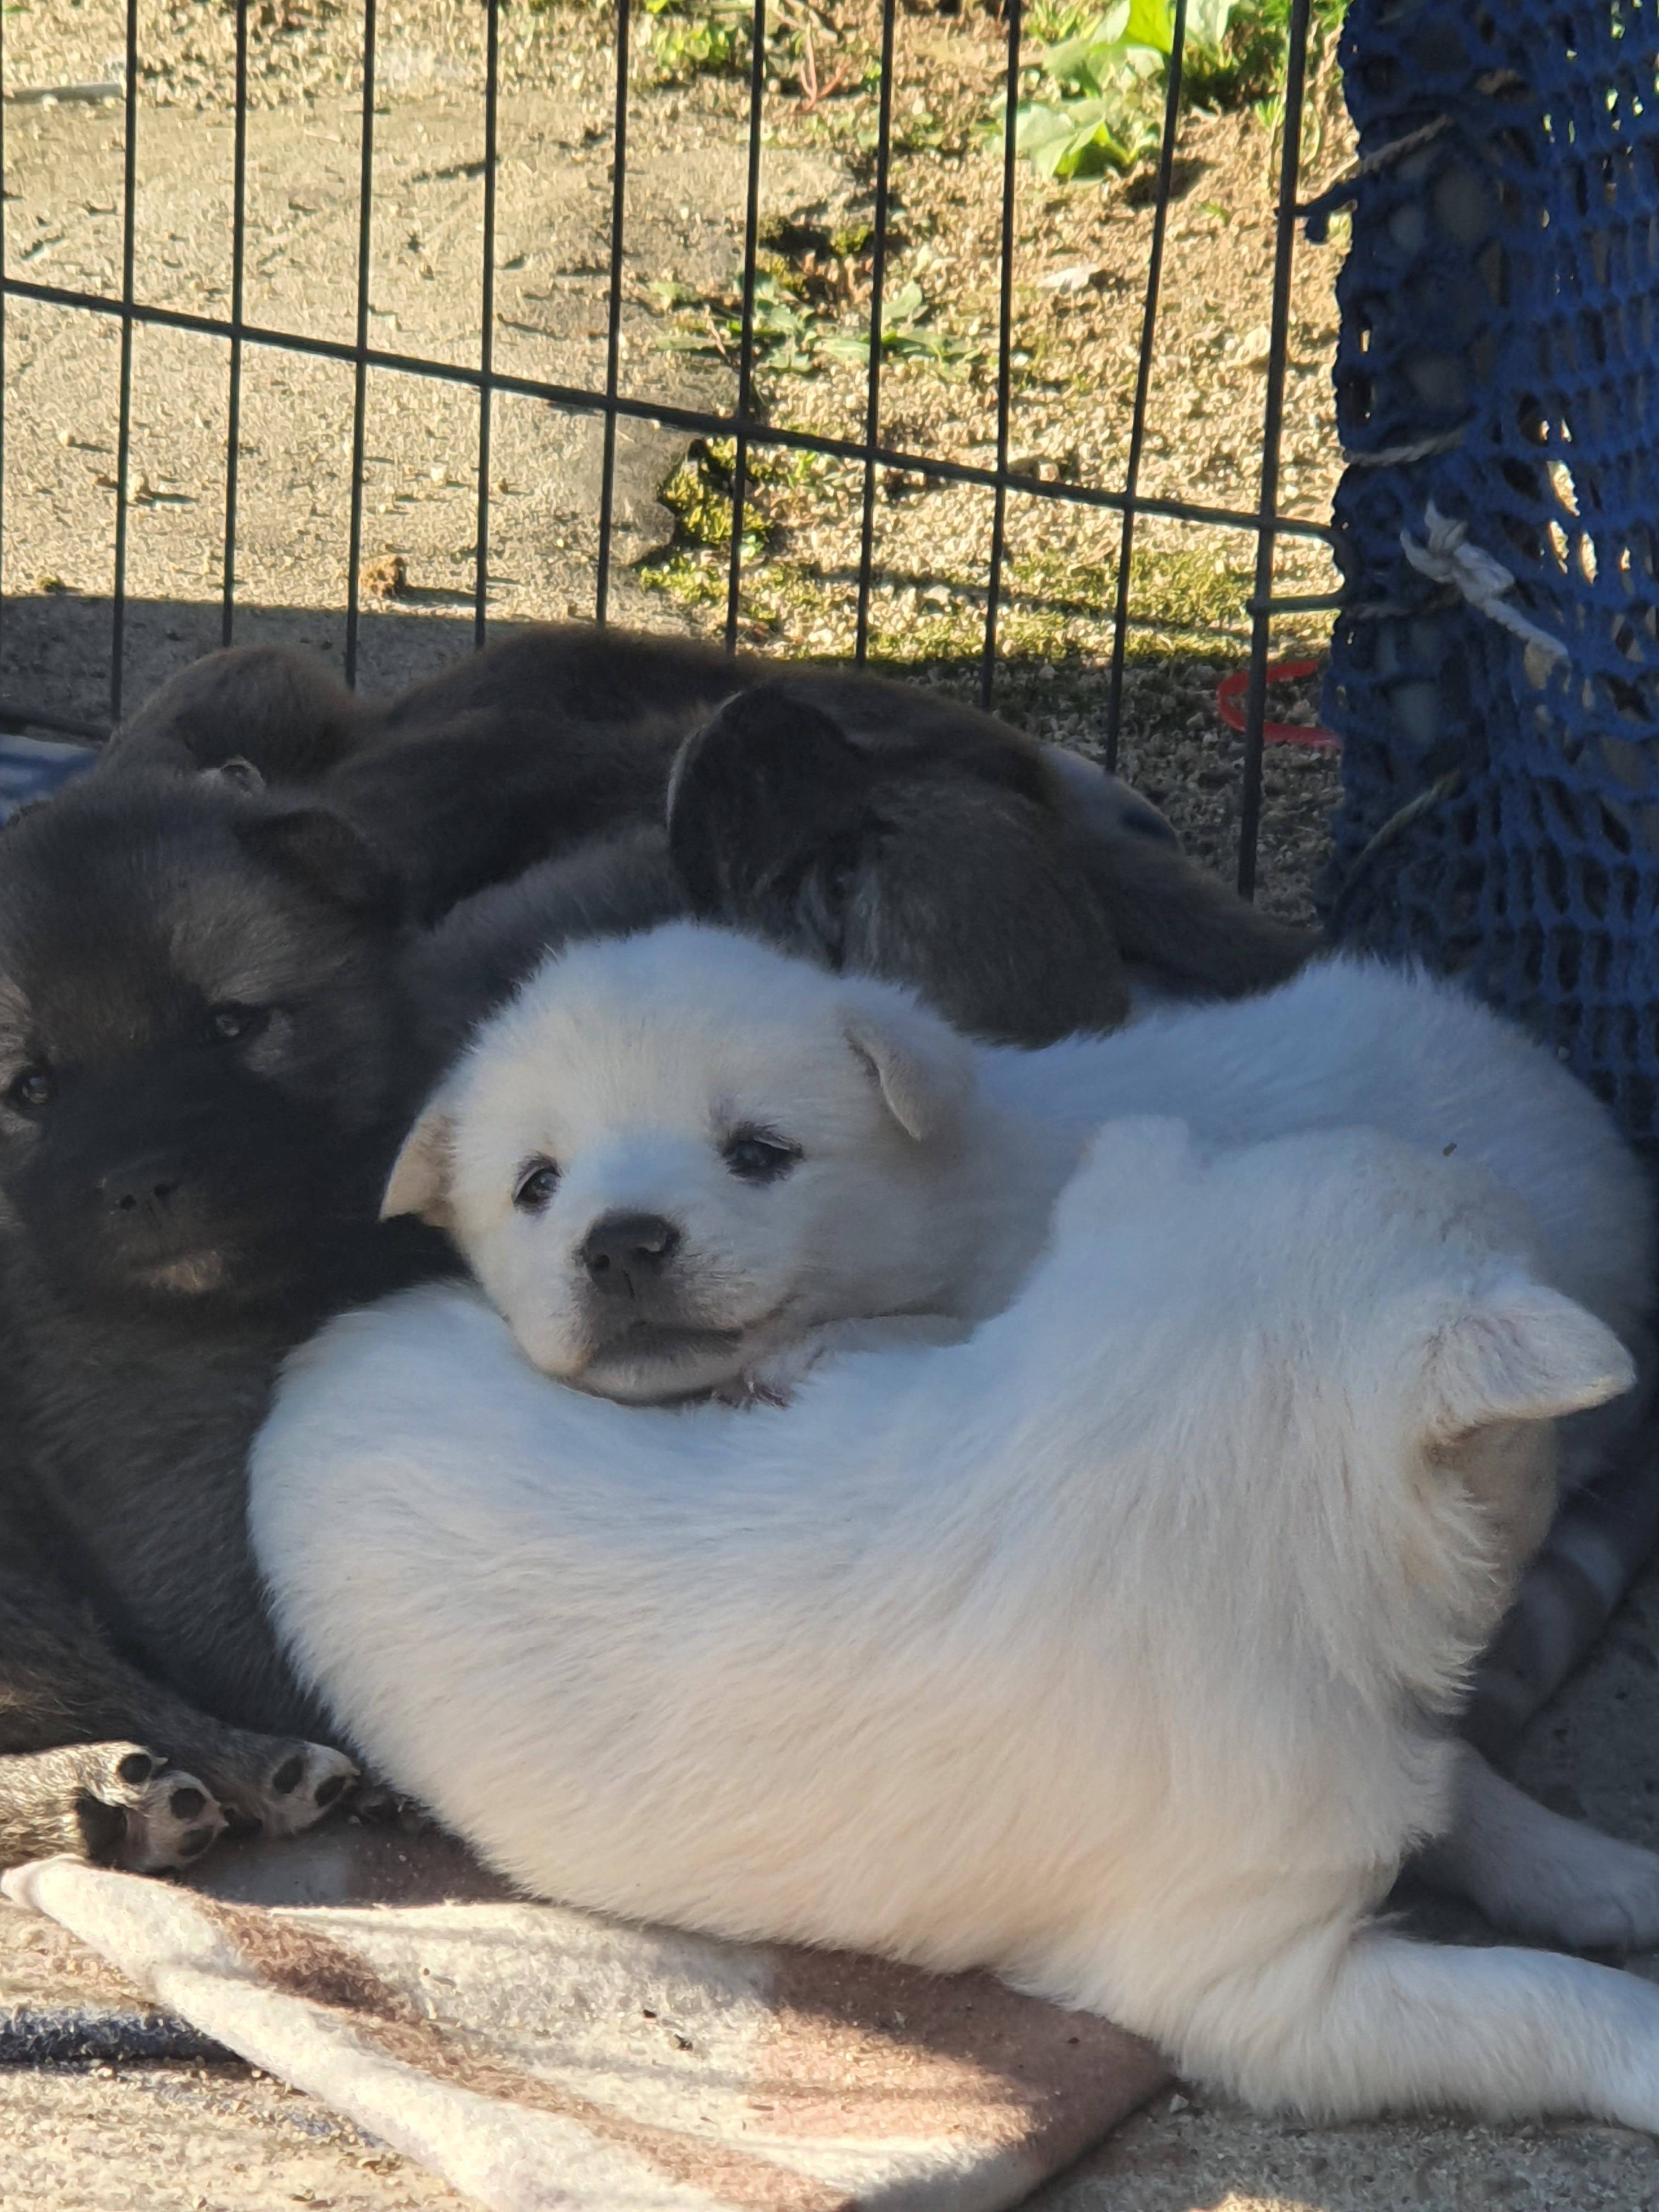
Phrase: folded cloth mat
(537, 2057)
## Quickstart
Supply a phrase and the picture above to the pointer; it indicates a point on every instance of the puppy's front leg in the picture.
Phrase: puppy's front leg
(116, 1804)
(774, 1378)
(1386, 2025)
(1533, 1872)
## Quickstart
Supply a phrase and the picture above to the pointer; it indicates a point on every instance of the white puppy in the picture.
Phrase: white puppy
(1105, 1649)
(676, 1156)
(685, 1160)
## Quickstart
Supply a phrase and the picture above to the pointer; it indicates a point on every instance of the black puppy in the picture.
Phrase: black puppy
(1023, 895)
(201, 1081)
(510, 756)
(790, 815)
(522, 753)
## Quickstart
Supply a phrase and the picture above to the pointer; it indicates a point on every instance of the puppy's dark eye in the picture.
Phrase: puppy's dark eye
(753, 1158)
(235, 1024)
(31, 1092)
(536, 1186)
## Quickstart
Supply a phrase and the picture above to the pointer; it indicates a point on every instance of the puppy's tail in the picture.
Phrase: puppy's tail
(1174, 918)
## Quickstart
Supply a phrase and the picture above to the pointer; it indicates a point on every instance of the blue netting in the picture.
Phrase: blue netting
(31, 767)
(1501, 301)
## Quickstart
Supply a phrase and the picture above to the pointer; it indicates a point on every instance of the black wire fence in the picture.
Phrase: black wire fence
(745, 424)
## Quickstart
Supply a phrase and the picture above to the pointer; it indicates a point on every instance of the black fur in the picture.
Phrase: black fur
(523, 753)
(179, 1207)
(960, 859)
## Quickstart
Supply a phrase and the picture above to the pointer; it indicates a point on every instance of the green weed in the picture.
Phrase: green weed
(1095, 100)
(1248, 67)
(1095, 106)
(710, 37)
(793, 335)
(806, 50)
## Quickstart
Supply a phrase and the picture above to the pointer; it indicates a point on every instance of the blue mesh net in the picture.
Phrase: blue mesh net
(1499, 363)
(32, 767)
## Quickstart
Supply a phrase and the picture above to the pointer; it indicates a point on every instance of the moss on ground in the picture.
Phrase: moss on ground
(1054, 603)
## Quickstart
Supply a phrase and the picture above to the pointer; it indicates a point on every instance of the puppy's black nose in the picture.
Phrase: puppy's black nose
(624, 1251)
(146, 1187)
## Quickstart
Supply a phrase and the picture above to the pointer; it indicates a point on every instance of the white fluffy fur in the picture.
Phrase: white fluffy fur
(1099, 1650)
(928, 1164)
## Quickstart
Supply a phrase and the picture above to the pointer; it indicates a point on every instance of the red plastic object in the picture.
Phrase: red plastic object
(1228, 704)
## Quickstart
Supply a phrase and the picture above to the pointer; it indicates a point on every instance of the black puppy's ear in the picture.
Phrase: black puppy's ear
(762, 792)
(322, 851)
(283, 712)
(237, 774)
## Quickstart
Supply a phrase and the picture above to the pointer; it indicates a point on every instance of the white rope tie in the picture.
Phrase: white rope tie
(1449, 558)
(1399, 456)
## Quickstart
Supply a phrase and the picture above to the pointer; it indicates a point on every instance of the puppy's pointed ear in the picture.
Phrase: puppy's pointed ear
(924, 1069)
(766, 788)
(321, 850)
(1520, 1352)
(421, 1174)
(280, 709)
(237, 774)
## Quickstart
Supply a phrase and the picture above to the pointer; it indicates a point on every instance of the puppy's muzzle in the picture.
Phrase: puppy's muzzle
(143, 1191)
(625, 1254)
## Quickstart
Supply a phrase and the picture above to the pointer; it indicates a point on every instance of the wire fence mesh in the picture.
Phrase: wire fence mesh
(754, 430)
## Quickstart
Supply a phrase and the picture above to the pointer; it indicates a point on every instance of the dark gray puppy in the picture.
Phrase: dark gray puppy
(201, 1078)
(831, 782)
(789, 812)
(1022, 891)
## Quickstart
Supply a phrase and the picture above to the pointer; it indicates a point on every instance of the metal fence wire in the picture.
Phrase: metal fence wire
(874, 452)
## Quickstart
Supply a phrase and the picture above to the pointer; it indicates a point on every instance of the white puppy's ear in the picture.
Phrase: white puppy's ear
(925, 1070)
(1521, 1353)
(421, 1174)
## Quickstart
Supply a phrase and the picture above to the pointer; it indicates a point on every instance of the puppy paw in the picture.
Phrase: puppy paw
(131, 1810)
(291, 1786)
(1600, 1894)
(1533, 1873)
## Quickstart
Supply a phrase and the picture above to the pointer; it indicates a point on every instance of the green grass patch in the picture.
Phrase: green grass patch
(1057, 605)
(795, 332)
(1094, 92)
